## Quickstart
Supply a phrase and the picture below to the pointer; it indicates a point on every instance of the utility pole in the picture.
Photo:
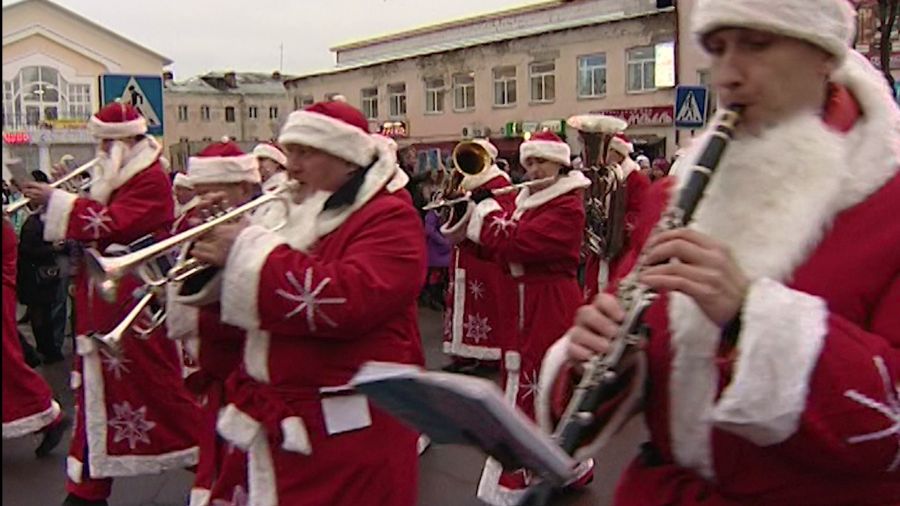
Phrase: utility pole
(281, 61)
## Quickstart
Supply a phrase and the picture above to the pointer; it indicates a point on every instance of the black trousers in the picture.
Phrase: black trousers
(42, 326)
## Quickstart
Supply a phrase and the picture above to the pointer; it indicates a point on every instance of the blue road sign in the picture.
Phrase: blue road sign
(691, 105)
(145, 93)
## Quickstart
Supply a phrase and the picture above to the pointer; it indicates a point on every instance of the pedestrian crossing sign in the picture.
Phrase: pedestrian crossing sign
(691, 104)
(144, 93)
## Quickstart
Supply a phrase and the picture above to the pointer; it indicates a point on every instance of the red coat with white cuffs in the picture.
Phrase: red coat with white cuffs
(124, 426)
(481, 300)
(539, 243)
(319, 298)
(805, 411)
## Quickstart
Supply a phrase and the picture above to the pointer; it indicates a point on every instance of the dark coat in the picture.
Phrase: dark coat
(36, 282)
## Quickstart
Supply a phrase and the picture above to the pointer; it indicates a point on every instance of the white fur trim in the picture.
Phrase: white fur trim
(208, 294)
(489, 488)
(181, 320)
(31, 423)
(74, 469)
(548, 150)
(107, 179)
(58, 211)
(553, 360)
(223, 169)
(802, 175)
(256, 354)
(275, 180)
(470, 183)
(526, 200)
(330, 135)
(84, 345)
(456, 233)
(241, 275)
(598, 123)
(102, 130)
(782, 335)
(102, 464)
(182, 180)
(618, 145)
(828, 24)
(471, 351)
(476, 222)
(75, 380)
(296, 438)
(489, 146)
(269, 151)
(199, 497)
(238, 427)
(261, 474)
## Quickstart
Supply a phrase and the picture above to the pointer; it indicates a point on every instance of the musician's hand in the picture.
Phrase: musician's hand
(214, 247)
(212, 204)
(595, 325)
(705, 270)
(39, 193)
(480, 194)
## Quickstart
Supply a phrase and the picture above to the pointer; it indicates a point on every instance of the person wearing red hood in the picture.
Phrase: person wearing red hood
(125, 425)
(773, 356)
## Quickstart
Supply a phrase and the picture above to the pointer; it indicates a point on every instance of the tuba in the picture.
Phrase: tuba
(605, 201)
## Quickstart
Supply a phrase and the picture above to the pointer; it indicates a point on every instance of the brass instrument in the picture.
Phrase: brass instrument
(606, 376)
(113, 339)
(59, 183)
(109, 270)
(605, 200)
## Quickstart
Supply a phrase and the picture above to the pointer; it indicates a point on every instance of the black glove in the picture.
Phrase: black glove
(480, 194)
(459, 210)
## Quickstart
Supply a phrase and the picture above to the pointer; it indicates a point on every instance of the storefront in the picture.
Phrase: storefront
(651, 129)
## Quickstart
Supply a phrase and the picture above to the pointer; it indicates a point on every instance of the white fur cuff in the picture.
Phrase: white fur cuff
(56, 217)
(456, 233)
(783, 331)
(241, 275)
(296, 439)
(476, 223)
(238, 427)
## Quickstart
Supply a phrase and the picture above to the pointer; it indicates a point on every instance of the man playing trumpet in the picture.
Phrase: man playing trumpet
(134, 414)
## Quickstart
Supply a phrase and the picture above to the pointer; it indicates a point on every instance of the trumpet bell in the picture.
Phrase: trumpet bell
(471, 158)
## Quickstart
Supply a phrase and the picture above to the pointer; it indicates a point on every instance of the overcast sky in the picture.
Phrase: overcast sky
(204, 35)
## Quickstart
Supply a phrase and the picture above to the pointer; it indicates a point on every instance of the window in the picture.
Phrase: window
(204, 112)
(273, 112)
(183, 140)
(504, 86)
(369, 102)
(397, 98)
(207, 139)
(182, 113)
(40, 93)
(592, 75)
(253, 112)
(641, 69)
(79, 101)
(464, 91)
(434, 95)
(543, 81)
(229, 114)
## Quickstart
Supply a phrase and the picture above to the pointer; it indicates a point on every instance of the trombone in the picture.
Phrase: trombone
(109, 270)
(68, 178)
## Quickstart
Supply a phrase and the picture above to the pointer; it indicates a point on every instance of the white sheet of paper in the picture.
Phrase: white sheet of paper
(345, 413)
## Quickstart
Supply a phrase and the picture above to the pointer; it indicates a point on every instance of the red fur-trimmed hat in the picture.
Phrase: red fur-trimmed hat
(270, 151)
(117, 120)
(546, 145)
(223, 162)
(336, 128)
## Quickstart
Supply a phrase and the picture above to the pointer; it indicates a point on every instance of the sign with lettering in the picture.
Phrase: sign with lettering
(643, 116)
(394, 129)
(16, 138)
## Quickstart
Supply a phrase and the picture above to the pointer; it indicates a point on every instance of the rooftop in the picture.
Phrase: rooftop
(247, 83)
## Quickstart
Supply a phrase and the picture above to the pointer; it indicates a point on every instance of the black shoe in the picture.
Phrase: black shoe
(74, 500)
(52, 437)
(32, 359)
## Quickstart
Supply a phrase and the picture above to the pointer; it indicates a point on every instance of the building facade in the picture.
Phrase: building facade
(52, 61)
(246, 106)
(508, 74)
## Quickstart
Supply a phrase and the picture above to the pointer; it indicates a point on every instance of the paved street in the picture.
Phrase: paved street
(448, 474)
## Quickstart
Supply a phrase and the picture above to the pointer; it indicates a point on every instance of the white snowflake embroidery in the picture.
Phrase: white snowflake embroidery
(95, 221)
(502, 225)
(476, 288)
(529, 384)
(890, 408)
(115, 363)
(308, 300)
(238, 498)
(476, 327)
(131, 424)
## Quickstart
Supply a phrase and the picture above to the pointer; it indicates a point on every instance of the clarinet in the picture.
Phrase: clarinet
(602, 372)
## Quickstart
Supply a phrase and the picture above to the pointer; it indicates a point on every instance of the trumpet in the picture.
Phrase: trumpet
(109, 270)
(442, 202)
(113, 339)
(59, 183)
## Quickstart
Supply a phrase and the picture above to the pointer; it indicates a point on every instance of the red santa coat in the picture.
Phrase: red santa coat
(805, 410)
(539, 243)
(28, 404)
(336, 293)
(134, 414)
(596, 274)
(481, 301)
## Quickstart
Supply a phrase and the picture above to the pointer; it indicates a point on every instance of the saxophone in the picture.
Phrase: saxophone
(604, 374)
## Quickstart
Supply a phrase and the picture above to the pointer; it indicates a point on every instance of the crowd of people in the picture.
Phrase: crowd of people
(768, 359)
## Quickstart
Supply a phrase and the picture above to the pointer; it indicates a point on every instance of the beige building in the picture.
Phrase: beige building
(507, 74)
(52, 61)
(245, 106)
